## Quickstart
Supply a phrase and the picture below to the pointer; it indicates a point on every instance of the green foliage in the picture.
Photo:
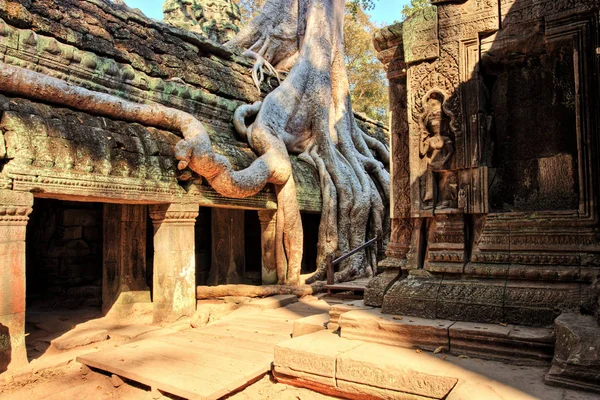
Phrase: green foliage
(414, 6)
(368, 83)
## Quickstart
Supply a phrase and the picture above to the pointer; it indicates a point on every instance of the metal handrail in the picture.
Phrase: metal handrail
(331, 262)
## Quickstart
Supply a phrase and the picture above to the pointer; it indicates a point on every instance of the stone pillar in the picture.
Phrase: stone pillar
(174, 286)
(268, 220)
(228, 262)
(400, 203)
(124, 257)
(15, 208)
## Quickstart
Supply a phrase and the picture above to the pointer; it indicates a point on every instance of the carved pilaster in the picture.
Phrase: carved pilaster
(174, 260)
(268, 221)
(389, 43)
(15, 208)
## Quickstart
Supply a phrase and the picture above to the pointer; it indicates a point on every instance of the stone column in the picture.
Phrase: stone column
(15, 208)
(228, 261)
(400, 202)
(268, 220)
(124, 257)
(174, 294)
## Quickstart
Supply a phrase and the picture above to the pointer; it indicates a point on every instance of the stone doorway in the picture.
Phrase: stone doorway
(63, 269)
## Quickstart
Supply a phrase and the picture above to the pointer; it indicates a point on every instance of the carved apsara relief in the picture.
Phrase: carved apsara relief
(438, 185)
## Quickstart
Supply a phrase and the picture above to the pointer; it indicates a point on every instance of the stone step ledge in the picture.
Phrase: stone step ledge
(324, 362)
(512, 343)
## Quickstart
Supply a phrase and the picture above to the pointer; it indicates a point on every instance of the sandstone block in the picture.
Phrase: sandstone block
(312, 324)
(314, 354)
(576, 360)
(268, 303)
(79, 337)
(402, 331)
(504, 343)
(338, 309)
(395, 369)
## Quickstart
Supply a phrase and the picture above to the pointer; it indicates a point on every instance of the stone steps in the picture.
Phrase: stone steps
(354, 369)
(511, 343)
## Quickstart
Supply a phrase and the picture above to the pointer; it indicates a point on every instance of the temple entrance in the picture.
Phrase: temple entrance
(63, 269)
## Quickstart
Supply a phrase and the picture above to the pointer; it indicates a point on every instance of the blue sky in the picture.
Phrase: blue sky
(385, 12)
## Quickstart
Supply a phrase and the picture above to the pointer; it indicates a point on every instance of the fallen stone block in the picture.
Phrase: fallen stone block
(79, 337)
(312, 324)
(269, 303)
(409, 332)
(576, 362)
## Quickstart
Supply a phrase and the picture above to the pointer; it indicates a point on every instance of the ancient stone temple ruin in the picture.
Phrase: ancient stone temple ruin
(93, 209)
(495, 174)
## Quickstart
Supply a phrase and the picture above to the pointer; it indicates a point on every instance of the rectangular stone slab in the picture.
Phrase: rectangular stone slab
(395, 369)
(403, 331)
(314, 354)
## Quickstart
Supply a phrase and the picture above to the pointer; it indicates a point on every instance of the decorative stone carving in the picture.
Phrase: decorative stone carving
(439, 186)
(499, 232)
(217, 19)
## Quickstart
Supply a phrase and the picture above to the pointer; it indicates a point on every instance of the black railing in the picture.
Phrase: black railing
(331, 263)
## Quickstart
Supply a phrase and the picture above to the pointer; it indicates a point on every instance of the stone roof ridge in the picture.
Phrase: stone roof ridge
(388, 36)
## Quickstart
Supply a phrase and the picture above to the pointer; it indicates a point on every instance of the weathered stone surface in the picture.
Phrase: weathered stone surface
(576, 362)
(499, 194)
(174, 294)
(219, 20)
(14, 210)
(402, 331)
(312, 354)
(338, 309)
(269, 303)
(378, 366)
(508, 343)
(79, 337)
(312, 324)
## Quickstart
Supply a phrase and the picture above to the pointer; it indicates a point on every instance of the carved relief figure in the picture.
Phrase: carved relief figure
(436, 145)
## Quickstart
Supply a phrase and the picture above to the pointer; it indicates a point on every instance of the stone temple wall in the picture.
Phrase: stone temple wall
(494, 152)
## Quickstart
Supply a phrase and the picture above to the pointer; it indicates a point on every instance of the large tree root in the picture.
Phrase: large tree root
(312, 113)
(211, 292)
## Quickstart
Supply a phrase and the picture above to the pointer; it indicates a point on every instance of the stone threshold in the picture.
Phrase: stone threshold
(500, 342)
